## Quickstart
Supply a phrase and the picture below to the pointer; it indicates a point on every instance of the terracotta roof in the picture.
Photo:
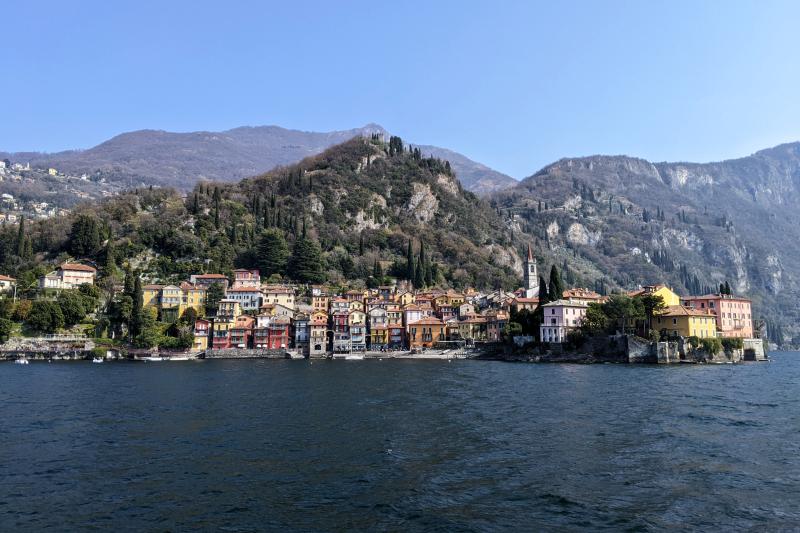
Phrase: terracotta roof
(77, 267)
(580, 293)
(6, 278)
(210, 276)
(244, 289)
(526, 300)
(428, 321)
(717, 297)
(153, 287)
(680, 310)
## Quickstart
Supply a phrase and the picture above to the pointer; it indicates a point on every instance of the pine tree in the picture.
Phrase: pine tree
(272, 252)
(305, 264)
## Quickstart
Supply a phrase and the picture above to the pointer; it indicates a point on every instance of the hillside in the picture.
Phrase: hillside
(623, 221)
(151, 157)
(354, 210)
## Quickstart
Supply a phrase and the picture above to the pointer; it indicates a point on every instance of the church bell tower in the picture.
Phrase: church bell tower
(531, 275)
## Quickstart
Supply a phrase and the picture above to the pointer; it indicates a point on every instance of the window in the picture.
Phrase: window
(674, 321)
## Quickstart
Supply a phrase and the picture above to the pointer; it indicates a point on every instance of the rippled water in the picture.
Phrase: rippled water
(399, 445)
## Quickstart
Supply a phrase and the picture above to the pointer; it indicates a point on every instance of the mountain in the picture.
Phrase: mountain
(619, 221)
(362, 202)
(182, 159)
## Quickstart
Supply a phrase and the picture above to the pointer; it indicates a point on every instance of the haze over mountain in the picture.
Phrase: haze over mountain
(182, 159)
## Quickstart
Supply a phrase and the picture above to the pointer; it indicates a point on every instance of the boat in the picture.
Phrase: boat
(97, 360)
(354, 357)
(21, 361)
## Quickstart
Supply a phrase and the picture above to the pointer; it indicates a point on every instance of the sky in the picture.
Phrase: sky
(514, 85)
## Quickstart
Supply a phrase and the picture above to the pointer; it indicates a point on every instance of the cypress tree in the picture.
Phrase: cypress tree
(410, 269)
(419, 276)
(136, 312)
(21, 237)
(556, 285)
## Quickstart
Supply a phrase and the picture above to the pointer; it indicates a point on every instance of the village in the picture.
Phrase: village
(253, 318)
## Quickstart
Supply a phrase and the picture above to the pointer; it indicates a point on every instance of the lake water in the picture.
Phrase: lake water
(399, 445)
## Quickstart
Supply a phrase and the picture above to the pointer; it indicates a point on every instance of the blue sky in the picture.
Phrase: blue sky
(514, 85)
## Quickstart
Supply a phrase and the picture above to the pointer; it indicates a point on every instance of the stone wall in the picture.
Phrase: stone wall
(242, 353)
(754, 350)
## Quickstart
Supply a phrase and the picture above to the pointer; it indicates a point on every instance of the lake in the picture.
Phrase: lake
(399, 445)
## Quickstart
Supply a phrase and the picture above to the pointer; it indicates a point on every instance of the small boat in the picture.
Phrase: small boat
(354, 357)
(21, 361)
(97, 360)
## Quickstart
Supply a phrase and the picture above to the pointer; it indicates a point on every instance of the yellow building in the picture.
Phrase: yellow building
(686, 322)
(279, 295)
(172, 300)
(669, 297)
(405, 298)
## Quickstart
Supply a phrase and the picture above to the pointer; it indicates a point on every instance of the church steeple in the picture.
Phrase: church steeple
(531, 275)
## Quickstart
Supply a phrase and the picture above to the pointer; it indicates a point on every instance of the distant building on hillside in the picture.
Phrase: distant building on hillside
(68, 276)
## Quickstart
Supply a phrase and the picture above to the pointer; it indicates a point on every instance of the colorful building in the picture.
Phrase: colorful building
(426, 332)
(679, 320)
(733, 314)
(559, 318)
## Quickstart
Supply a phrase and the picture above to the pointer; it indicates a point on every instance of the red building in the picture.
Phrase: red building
(241, 333)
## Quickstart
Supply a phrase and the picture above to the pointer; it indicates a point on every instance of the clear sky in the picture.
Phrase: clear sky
(514, 85)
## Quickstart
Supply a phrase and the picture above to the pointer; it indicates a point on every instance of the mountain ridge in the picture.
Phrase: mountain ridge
(180, 159)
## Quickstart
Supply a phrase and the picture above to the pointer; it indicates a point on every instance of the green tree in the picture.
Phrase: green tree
(653, 304)
(273, 252)
(135, 326)
(214, 294)
(305, 264)
(556, 285)
(595, 321)
(45, 316)
(71, 303)
(21, 237)
(623, 310)
(84, 237)
(6, 327)
(410, 266)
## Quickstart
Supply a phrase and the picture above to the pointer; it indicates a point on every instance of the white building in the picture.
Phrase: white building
(249, 298)
(68, 276)
(559, 318)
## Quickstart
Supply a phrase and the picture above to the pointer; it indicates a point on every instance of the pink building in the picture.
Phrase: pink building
(734, 314)
(559, 318)
(243, 277)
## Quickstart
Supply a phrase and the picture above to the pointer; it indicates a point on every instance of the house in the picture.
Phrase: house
(227, 313)
(249, 297)
(733, 314)
(679, 320)
(404, 298)
(278, 294)
(473, 329)
(426, 332)
(173, 300)
(68, 276)
(241, 332)
(243, 277)
(202, 327)
(318, 334)
(559, 318)
(207, 280)
(7, 283)
(582, 295)
(520, 303)
(464, 310)
(397, 336)
(385, 292)
(669, 297)
(339, 304)
(320, 302)
(357, 324)
(496, 322)
(279, 332)
(302, 332)
(356, 305)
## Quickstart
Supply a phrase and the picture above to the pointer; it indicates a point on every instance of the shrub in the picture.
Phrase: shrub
(713, 345)
(732, 343)
(694, 341)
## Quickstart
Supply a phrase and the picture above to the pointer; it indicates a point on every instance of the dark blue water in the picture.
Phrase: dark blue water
(399, 445)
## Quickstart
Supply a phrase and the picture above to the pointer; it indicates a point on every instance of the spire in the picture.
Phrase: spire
(530, 253)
